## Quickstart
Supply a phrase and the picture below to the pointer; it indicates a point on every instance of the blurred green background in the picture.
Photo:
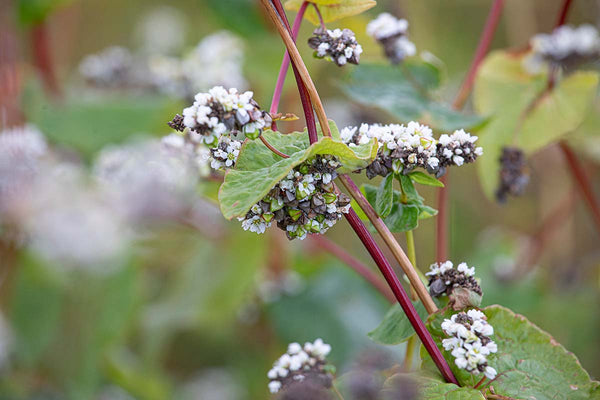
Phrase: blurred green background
(184, 314)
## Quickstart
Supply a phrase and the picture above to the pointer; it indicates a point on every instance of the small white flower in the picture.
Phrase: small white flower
(490, 372)
(274, 386)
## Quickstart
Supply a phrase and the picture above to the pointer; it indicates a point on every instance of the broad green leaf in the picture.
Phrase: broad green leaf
(521, 114)
(560, 112)
(395, 327)
(529, 362)
(402, 217)
(425, 179)
(408, 188)
(256, 175)
(403, 93)
(88, 124)
(36, 293)
(332, 10)
(432, 388)
(385, 196)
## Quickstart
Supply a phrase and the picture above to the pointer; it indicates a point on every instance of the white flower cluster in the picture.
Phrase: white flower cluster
(566, 46)
(392, 34)
(114, 67)
(300, 363)
(222, 111)
(304, 202)
(216, 60)
(198, 152)
(339, 46)
(403, 148)
(444, 278)
(469, 343)
(21, 149)
(216, 124)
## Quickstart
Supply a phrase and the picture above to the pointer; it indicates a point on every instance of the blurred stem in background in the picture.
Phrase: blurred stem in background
(278, 17)
(42, 57)
(10, 76)
(459, 101)
(577, 171)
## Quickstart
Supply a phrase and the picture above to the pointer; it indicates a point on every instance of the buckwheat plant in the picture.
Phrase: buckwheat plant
(470, 342)
(302, 363)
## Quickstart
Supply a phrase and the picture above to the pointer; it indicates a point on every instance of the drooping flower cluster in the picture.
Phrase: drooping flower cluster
(302, 203)
(392, 34)
(444, 278)
(218, 122)
(566, 47)
(222, 111)
(469, 343)
(339, 46)
(456, 149)
(299, 364)
(514, 174)
(216, 60)
(403, 148)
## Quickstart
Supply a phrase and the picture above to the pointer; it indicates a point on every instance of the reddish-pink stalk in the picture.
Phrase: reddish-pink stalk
(583, 182)
(459, 101)
(564, 11)
(285, 64)
(319, 15)
(407, 306)
(43, 58)
(325, 244)
(376, 253)
(577, 171)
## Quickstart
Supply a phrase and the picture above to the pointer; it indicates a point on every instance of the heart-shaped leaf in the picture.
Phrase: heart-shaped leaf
(258, 170)
(405, 94)
(331, 10)
(529, 362)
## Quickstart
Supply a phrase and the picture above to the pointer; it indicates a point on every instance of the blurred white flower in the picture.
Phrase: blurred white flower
(162, 30)
(213, 384)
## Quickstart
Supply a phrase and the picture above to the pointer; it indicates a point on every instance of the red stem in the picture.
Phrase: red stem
(43, 59)
(364, 271)
(564, 11)
(320, 16)
(394, 283)
(285, 63)
(583, 181)
(442, 221)
(372, 247)
(459, 101)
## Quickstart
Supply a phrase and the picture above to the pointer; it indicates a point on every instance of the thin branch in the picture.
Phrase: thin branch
(43, 58)
(297, 61)
(583, 182)
(401, 296)
(273, 149)
(382, 262)
(285, 63)
(319, 15)
(391, 242)
(459, 101)
(367, 273)
(564, 11)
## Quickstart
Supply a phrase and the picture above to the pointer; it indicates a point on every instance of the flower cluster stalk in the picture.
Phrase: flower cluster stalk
(459, 101)
(352, 218)
(577, 171)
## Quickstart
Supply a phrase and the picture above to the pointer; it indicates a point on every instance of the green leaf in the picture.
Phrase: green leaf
(385, 196)
(431, 388)
(425, 179)
(529, 362)
(258, 170)
(408, 188)
(560, 112)
(402, 217)
(400, 92)
(31, 12)
(331, 10)
(520, 113)
(395, 327)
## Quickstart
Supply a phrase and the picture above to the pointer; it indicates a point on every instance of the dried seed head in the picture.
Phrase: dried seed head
(514, 174)
(339, 46)
(392, 34)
